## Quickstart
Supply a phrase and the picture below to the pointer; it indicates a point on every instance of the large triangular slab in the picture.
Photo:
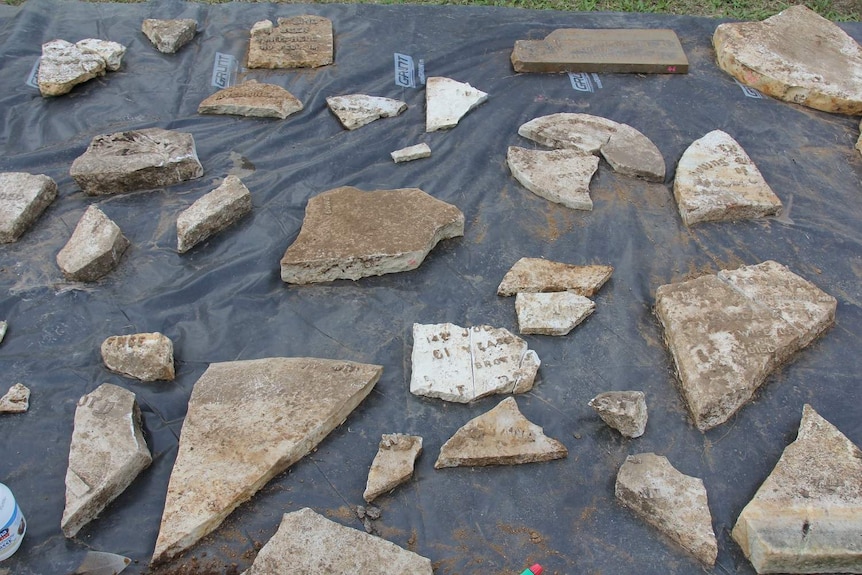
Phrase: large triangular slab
(561, 176)
(531, 275)
(447, 101)
(357, 110)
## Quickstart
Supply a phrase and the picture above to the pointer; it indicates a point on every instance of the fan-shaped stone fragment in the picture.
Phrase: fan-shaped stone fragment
(357, 110)
(625, 411)
(298, 42)
(108, 451)
(63, 66)
(144, 356)
(555, 313)
(393, 464)
(411, 153)
(212, 213)
(670, 501)
(23, 198)
(95, 248)
(252, 99)
(797, 56)
(16, 400)
(248, 421)
(561, 176)
(532, 275)
(447, 101)
(168, 36)
(807, 515)
(351, 234)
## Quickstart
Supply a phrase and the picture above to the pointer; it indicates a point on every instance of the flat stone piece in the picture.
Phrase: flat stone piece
(23, 198)
(561, 176)
(555, 313)
(108, 451)
(350, 234)
(64, 65)
(144, 356)
(168, 36)
(308, 543)
(411, 153)
(357, 110)
(625, 411)
(462, 364)
(727, 332)
(248, 421)
(807, 515)
(653, 51)
(393, 464)
(252, 99)
(532, 275)
(136, 160)
(447, 101)
(797, 56)
(16, 400)
(298, 42)
(670, 501)
(95, 248)
(502, 436)
(716, 181)
(212, 213)
(111, 52)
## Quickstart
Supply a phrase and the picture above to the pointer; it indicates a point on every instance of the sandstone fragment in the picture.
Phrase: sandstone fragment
(298, 42)
(16, 400)
(357, 110)
(144, 356)
(447, 101)
(561, 176)
(625, 411)
(252, 99)
(168, 36)
(393, 464)
(64, 65)
(95, 248)
(534, 275)
(555, 313)
(212, 213)
(411, 153)
(23, 198)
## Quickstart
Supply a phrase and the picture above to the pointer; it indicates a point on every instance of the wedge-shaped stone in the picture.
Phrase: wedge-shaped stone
(461, 364)
(447, 101)
(144, 356)
(716, 180)
(252, 99)
(357, 110)
(625, 411)
(727, 332)
(23, 198)
(212, 213)
(298, 42)
(393, 464)
(168, 36)
(797, 56)
(248, 421)
(502, 436)
(351, 234)
(16, 400)
(561, 176)
(670, 501)
(411, 153)
(807, 515)
(308, 543)
(64, 65)
(555, 313)
(532, 275)
(108, 451)
(95, 248)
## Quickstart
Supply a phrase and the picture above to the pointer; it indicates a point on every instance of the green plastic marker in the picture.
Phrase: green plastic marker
(536, 569)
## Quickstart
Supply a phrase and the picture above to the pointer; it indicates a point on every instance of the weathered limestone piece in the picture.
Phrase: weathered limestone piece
(554, 313)
(357, 110)
(212, 213)
(252, 99)
(168, 36)
(308, 543)
(797, 56)
(533, 275)
(23, 198)
(393, 464)
(411, 153)
(248, 421)
(807, 515)
(351, 234)
(502, 436)
(462, 364)
(298, 42)
(625, 411)
(136, 160)
(108, 451)
(16, 400)
(670, 501)
(95, 248)
(65, 65)
(727, 332)
(111, 52)
(561, 176)
(144, 356)
(447, 101)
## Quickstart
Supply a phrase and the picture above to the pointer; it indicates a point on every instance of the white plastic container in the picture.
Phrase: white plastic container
(12, 524)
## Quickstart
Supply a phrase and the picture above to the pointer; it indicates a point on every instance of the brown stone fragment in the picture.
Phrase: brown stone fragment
(298, 42)
(95, 248)
(252, 99)
(625, 411)
(144, 356)
(393, 464)
(23, 198)
(532, 275)
(212, 213)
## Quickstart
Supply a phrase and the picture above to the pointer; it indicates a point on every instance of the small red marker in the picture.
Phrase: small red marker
(536, 569)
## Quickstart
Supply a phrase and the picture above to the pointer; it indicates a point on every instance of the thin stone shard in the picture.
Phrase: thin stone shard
(357, 110)
(625, 411)
(252, 99)
(3, 327)
(555, 313)
(16, 400)
(561, 176)
(447, 101)
(143, 356)
(24, 198)
(298, 42)
(533, 275)
(393, 464)
(95, 248)
(168, 36)
(411, 153)
(212, 213)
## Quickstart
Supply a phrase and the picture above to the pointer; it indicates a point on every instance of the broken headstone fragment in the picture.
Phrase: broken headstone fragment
(298, 42)
(143, 356)
(95, 248)
(64, 65)
(168, 36)
(23, 198)
(625, 411)
(447, 101)
(351, 234)
(212, 213)
(551, 313)
(357, 110)
(462, 364)
(252, 99)
(533, 275)
(411, 153)
(561, 176)
(393, 464)
(16, 400)
(108, 451)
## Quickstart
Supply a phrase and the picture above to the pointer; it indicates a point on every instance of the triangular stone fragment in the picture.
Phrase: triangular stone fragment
(143, 356)
(531, 275)
(716, 180)
(24, 198)
(561, 176)
(298, 42)
(502, 436)
(168, 36)
(447, 101)
(252, 99)
(351, 234)
(357, 110)
(797, 56)
(108, 451)
(95, 248)
(16, 400)
(555, 313)
(248, 421)
(727, 332)
(807, 516)
(670, 501)
(393, 464)
(210, 214)
(625, 411)
(308, 543)
(64, 65)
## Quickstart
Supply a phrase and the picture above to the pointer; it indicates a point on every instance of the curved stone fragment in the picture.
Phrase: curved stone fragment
(625, 411)
(168, 36)
(212, 213)
(143, 356)
(63, 66)
(23, 198)
(351, 234)
(95, 248)
(447, 101)
(357, 110)
(16, 400)
(248, 421)
(393, 464)
(555, 313)
(252, 99)
(561, 176)
(531, 275)
(298, 42)
(797, 56)
(807, 516)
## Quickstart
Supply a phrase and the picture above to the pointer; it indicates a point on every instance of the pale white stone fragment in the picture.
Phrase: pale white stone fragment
(143, 356)
(411, 153)
(393, 464)
(555, 313)
(168, 36)
(561, 176)
(23, 198)
(212, 213)
(16, 400)
(357, 110)
(111, 52)
(95, 248)
(447, 101)
(64, 65)
(625, 411)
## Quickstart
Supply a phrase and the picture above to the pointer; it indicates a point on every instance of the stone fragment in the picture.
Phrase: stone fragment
(859, 141)
(555, 313)
(501, 436)
(168, 36)
(625, 411)
(797, 56)
(308, 543)
(561, 176)
(3, 327)
(248, 421)
(350, 234)
(212, 213)
(807, 515)
(298, 42)
(16, 400)
(393, 464)
(111, 52)
(357, 110)
(108, 451)
(144, 356)
(670, 501)
(95, 248)
(252, 99)
(534, 275)
(462, 364)
(23, 198)
(447, 101)
(64, 65)
(136, 160)
(411, 153)
(727, 332)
